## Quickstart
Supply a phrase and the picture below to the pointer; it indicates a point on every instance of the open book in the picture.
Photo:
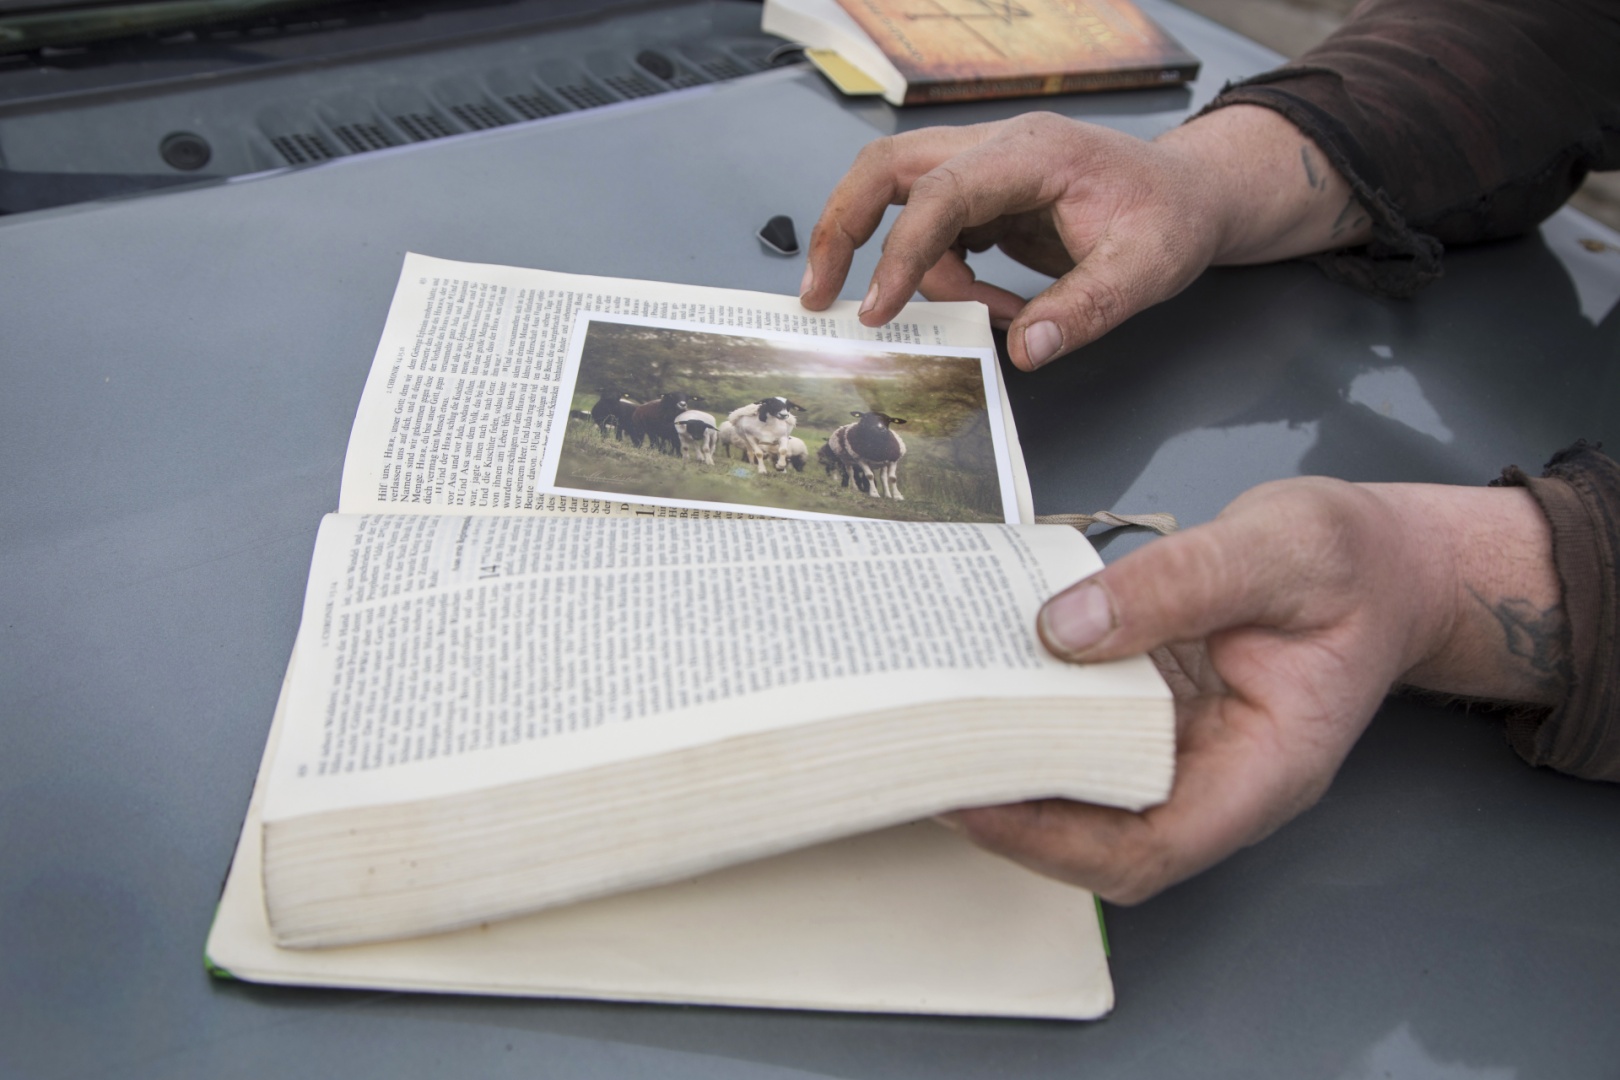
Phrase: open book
(491, 715)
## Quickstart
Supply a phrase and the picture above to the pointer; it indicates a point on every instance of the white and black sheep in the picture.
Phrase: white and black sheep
(698, 434)
(759, 427)
(871, 452)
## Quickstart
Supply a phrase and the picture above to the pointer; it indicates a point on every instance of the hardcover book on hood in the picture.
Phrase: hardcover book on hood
(920, 51)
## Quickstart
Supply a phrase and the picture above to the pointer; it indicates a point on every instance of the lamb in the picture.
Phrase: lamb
(697, 434)
(613, 408)
(792, 451)
(871, 451)
(655, 422)
(830, 462)
(758, 427)
(728, 438)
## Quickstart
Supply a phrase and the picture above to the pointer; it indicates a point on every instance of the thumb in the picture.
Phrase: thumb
(1180, 588)
(1112, 283)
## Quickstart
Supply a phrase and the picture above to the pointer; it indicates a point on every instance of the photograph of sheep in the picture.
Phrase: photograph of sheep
(780, 423)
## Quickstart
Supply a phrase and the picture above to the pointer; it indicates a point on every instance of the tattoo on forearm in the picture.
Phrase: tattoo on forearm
(1312, 177)
(1538, 637)
(1351, 217)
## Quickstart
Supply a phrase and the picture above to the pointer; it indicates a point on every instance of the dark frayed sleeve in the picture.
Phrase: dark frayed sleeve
(1580, 494)
(1453, 120)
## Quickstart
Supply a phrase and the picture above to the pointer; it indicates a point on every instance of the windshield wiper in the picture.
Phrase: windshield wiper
(27, 31)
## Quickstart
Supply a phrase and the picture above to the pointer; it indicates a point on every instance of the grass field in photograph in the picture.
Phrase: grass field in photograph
(593, 463)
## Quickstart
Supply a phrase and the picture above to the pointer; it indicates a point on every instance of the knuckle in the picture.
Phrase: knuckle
(1119, 856)
(829, 237)
(1099, 307)
(939, 185)
(935, 212)
(875, 154)
(1186, 556)
(1324, 518)
(1039, 122)
(1141, 877)
(822, 235)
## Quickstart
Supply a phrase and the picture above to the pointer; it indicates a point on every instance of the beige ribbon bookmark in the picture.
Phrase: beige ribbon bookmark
(1163, 524)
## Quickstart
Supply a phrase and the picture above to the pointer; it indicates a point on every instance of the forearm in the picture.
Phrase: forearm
(1484, 589)
(1269, 190)
(1452, 120)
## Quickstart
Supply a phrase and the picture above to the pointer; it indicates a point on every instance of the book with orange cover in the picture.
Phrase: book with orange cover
(919, 51)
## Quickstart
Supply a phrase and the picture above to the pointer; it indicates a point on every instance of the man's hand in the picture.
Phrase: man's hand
(1122, 223)
(1281, 626)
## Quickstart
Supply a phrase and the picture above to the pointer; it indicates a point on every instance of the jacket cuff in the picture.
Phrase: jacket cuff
(1580, 495)
(1399, 260)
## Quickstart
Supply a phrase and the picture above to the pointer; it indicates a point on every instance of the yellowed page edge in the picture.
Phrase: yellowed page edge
(907, 920)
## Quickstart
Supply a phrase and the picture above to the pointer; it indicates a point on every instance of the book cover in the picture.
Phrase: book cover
(953, 50)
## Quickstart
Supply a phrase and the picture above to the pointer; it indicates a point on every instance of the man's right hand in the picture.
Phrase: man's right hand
(1280, 626)
(1121, 223)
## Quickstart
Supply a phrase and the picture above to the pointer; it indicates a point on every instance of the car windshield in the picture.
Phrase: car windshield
(45, 24)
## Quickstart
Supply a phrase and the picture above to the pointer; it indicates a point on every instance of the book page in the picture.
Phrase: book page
(479, 368)
(448, 654)
(912, 919)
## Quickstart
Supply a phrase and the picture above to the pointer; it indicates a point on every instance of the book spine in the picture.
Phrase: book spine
(1046, 85)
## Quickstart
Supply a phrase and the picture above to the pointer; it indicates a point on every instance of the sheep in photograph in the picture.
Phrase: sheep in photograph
(830, 462)
(727, 438)
(784, 452)
(871, 451)
(698, 435)
(792, 451)
(758, 427)
(654, 422)
(612, 409)
(623, 409)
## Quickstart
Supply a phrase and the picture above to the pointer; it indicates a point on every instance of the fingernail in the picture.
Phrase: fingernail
(1042, 340)
(809, 280)
(871, 299)
(1077, 620)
